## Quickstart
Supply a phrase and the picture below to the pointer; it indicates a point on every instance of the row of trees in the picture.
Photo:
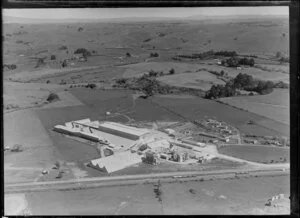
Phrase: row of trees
(209, 54)
(243, 82)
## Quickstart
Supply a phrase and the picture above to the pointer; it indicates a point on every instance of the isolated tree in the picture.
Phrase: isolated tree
(128, 54)
(222, 73)
(64, 63)
(171, 71)
(53, 57)
(57, 165)
(278, 54)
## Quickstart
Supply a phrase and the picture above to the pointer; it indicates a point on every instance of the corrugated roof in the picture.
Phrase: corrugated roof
(117, 161)
(124, 128)
(159, 143)
(83, 121)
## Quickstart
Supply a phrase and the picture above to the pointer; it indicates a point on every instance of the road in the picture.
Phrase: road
(83, 183)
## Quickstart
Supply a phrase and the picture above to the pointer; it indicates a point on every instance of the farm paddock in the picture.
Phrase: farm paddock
(257, 153)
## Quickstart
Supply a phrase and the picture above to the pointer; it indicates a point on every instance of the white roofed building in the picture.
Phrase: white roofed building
(116, 162)
(122, 130)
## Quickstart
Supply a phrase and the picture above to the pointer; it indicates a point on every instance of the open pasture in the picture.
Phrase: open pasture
(202, 80)
(274, 105)
(138, 69)
(257, 153)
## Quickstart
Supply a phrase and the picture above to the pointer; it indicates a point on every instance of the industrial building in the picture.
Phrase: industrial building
(115, 162)
(122, 130)
(121, 146)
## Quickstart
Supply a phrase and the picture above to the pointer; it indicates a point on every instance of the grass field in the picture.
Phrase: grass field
(274, 105)
(199, 80)
(38, 151)
(132, 70)
(256, 153)
(186, 198)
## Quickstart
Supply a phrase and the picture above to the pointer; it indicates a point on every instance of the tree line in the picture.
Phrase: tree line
(209, 54)
(243, 82)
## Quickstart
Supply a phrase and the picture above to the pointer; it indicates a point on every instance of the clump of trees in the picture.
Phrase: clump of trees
(52, 57)
(91, 85)
(244, 82)
(63, 47)
(85, 53)
(79, 29)
(147, 40)
(16, 148)
(154, 54)
(236, 62)
(53, 97)
(10, 66)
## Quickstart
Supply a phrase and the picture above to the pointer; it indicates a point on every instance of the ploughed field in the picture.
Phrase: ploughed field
(257, 153)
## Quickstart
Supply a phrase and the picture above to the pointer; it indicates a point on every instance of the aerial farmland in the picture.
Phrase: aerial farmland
(151, 104)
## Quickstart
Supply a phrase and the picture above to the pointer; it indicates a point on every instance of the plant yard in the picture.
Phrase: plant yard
(257, 153)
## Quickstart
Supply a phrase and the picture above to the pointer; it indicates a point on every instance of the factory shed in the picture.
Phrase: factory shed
(83, 121)
(115, 162)
(122, 130)
(162, 143)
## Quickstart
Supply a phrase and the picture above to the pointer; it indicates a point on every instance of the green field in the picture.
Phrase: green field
(188, 198)
(259, 153)
(274, 105)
